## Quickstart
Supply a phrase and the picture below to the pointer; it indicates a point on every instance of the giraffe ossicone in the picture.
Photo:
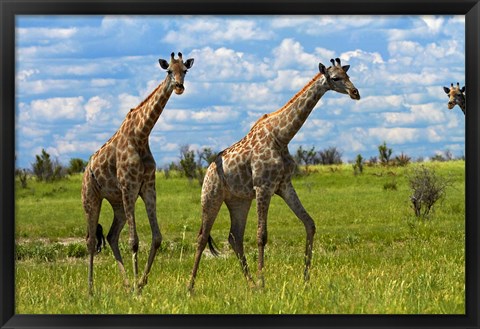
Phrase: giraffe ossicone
(124, 169)
(259, 166)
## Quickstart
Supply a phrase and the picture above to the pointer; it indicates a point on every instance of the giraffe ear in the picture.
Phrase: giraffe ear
(322, 68)
(189, 63)
(463, 89)
(163, 64)
(447, 90)
(345, 68)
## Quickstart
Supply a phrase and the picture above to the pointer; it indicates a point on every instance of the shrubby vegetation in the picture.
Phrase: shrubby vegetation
(192, 163)
(427, 188)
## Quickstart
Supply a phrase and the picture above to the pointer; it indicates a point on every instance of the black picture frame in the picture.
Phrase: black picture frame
(11, 8)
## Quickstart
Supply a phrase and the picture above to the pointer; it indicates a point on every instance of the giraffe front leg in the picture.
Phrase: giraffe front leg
(91, 205)
(212, 199)
(263, 197)
(290, 196)
(149, 197)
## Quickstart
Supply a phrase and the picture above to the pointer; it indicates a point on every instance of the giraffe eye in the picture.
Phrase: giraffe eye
(169, 71)
(185, 72)
(336, 79)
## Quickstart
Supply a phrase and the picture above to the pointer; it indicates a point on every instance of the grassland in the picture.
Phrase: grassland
(371, 254)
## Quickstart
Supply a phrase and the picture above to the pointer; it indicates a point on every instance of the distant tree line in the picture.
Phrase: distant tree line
(47, 169)
(192, 163)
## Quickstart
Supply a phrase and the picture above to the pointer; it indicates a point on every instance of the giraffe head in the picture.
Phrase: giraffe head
(176, 70)
(338, 79)
(456, 96)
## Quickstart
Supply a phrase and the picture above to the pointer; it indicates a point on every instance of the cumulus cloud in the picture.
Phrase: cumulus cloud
(372, 57)
(397, 135)
(224, 64)
(291, 54)
(126, 103)
(430, 113)
(322, 25)
(208, 30)
(23, 75)
(94, 106)
(43, 34)
(54, 109)
(77, 79)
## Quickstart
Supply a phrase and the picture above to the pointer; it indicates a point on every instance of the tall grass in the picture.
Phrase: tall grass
(371, 254)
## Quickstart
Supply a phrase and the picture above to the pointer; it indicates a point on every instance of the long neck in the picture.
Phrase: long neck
(290, 118)
(462, 105)
(152, 107)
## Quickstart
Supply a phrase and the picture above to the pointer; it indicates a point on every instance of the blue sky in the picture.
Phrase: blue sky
(77, 77)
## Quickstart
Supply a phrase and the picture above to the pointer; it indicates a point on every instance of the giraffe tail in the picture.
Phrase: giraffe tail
(100, 238)
(213, 247)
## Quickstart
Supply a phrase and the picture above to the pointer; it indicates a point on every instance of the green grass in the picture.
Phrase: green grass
(371, 255)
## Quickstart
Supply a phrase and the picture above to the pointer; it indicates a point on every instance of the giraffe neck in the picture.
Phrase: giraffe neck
(462, 106)
(152, 107)
(287, 121)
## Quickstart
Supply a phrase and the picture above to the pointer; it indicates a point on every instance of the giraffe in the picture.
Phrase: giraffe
(456, 96)
(124, 169)
(259, 166)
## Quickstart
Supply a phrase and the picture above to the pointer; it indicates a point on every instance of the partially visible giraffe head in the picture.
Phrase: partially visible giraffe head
(338, 78)
(456, 96)
(176, 69)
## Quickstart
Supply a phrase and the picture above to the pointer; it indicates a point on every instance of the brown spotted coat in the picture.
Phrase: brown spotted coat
(259, 166)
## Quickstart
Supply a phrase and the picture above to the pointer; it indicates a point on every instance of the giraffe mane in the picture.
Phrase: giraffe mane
(149, 96)
(307, 86)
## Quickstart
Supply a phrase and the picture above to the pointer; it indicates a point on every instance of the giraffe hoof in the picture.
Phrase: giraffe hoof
(143, 281)
(260, 284)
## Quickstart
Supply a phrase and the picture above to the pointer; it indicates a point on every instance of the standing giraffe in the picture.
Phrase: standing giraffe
(456, 96)
(124, 168)
(259, 166)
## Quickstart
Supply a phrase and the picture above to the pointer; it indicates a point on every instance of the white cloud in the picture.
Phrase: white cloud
(316, 128)
(289, 80)
(42, 33)
(291, 54)
(49, 86)
(325, 24)
(94, 106)
(126, 103)
(207, 30)
(397, 135)
(211, 115)
(223, 64)
(381, 103)
(99, 83)
(32, 131)
(371, 57)
(23, 75)
(419, 114)
(57, 108)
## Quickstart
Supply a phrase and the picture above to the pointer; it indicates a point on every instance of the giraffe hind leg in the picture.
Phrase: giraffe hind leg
(212, 199)
(238, 217)
(113, 236)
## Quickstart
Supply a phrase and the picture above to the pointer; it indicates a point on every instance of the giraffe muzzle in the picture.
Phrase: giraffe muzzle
(179, 88)
(354, 94)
